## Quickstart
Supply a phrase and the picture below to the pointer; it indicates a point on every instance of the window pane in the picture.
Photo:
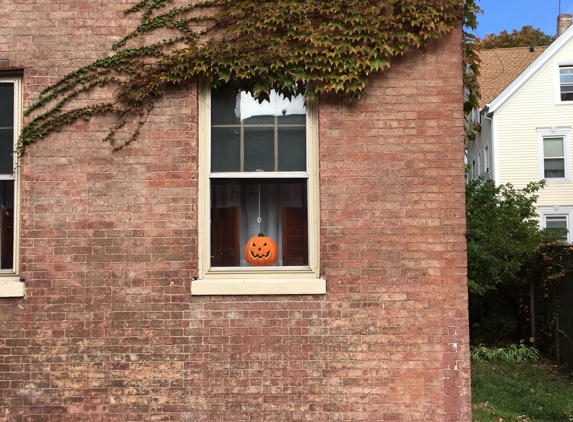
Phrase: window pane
(6, 151)
(6, 224)
(559, 222)
(554, 168)
(566, 73)
(553, 147)
(259, 149)
(225, 149)
(241, 202)
(259, 120)
(224, 107)
(6, 105)
(295, 236)
(292, 149)
(557, 225)
(294, 119)
(566, 80)
(277, 106)
(248, 135)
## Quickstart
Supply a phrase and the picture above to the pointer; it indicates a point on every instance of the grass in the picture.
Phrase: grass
(521, 392)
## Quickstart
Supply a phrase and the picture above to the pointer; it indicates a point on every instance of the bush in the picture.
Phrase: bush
(502, 232)
(513, 353)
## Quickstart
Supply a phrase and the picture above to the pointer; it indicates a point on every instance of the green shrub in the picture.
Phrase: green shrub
(513, 353)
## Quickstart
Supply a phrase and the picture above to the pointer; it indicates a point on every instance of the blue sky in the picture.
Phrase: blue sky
(513, 14)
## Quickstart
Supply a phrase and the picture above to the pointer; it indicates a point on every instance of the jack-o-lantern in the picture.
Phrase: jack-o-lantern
(261, 250)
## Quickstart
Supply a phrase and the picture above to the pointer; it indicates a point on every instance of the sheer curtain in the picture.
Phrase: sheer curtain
(274, 195)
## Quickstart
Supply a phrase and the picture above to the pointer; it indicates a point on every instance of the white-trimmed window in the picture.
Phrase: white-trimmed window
(10, 126)
(565, 83)
(557, 218)
(258, 175)
(486, 160)
(554, 154)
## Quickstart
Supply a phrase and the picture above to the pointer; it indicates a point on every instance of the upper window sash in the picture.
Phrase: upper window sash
(566, 83)
(252, 136)
(10, 124)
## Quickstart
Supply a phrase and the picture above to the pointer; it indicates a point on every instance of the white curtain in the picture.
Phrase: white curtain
(273, 197)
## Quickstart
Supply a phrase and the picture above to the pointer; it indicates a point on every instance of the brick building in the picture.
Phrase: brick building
(122, 317)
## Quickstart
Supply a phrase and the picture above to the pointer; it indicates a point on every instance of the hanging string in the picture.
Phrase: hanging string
(259, 218)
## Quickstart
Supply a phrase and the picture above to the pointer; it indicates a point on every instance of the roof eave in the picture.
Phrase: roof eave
(524, 76)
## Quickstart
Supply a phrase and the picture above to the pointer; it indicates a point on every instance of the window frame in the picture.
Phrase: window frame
(554, 132)
(10, 283)
(558, 66)
(557, 211)
(486, 159)
(256, 280)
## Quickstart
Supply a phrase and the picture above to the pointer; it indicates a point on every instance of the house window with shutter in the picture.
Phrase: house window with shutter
(258, 177)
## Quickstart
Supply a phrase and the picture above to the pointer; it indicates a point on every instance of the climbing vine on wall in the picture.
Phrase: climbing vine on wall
(295, 46)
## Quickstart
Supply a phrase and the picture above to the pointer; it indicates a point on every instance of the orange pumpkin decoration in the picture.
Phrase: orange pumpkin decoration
(261, 250)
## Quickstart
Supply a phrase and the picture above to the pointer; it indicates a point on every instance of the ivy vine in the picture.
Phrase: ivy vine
(294, 46)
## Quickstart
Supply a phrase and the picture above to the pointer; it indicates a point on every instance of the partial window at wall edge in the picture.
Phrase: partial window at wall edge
(10, 127)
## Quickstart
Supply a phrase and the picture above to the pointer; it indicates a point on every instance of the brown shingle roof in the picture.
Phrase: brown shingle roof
(500, 66)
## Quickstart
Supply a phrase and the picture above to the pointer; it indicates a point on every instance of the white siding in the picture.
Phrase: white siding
(477, 147)
(517, 123)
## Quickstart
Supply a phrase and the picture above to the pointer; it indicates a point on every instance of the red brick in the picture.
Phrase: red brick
(108, 330)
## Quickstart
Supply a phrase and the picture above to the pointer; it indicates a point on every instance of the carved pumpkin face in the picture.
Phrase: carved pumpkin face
(261, 250)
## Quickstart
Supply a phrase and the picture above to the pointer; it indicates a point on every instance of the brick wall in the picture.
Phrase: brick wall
(108, 330)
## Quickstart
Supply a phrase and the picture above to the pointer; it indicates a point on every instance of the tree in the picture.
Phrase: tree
(502, 232)
(517, 38)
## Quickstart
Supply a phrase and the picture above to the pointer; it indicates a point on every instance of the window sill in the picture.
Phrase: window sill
(11, 287)
(279, 286)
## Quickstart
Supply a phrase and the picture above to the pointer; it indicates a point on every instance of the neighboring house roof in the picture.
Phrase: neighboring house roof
(490, 105)
(500, 66)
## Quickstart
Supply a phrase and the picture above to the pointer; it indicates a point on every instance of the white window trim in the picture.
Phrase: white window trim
(251, 280)
(10, 283)
(557, 211)
(558, 81)
(551, 133)
(486, 160)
